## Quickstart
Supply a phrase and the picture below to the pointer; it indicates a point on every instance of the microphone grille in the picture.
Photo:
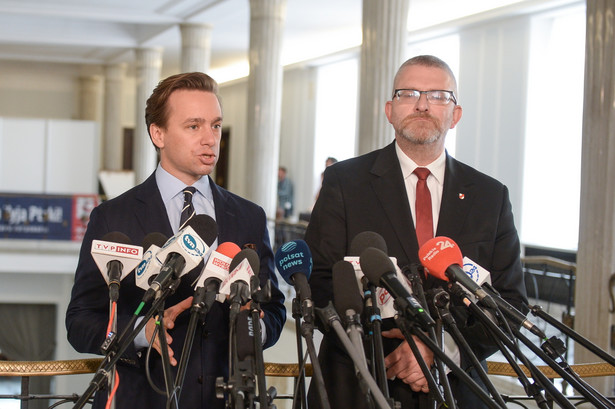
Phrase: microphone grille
(155, 238)
(364, 240)
(117, 237)
(375, 263)
(205, 226)
(252, 257)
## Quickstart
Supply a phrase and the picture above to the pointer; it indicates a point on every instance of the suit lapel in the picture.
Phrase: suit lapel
(457, 199)
(225, 217)
(150, 211)
(390, 190)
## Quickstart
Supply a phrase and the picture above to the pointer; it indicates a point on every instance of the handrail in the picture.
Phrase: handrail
(83, 366)
(550, 262)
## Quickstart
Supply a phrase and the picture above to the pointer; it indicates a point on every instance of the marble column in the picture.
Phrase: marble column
(196, 47)
(90, 104)
(113, 143)
(149, 63)
(264, 101)
(596, 253)
(90, 90)
(385, 35)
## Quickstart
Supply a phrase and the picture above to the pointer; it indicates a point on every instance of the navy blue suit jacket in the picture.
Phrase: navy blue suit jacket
(136, 213)
(368, 193)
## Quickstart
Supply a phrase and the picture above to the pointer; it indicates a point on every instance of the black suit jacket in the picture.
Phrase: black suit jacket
(368, 193)
(136, 213)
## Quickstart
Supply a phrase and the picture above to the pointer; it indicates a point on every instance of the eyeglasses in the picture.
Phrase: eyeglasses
(436, 96)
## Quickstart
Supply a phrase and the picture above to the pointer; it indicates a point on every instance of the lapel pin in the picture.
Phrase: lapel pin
(462, 196)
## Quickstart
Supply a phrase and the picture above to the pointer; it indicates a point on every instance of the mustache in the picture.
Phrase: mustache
(423, 115)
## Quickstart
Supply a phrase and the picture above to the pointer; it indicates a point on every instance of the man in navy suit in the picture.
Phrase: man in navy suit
(377, 192)
(184, 120)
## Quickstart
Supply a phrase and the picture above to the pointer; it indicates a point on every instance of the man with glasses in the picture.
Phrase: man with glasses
(408, 192)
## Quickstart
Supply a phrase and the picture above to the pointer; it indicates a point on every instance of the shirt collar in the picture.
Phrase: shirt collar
(170, 186)
(408, 165)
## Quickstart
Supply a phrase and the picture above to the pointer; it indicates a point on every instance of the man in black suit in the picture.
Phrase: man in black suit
(377, 192)
(184, 120)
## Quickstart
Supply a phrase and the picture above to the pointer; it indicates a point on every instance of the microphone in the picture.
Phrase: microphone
(183, 252)
(214, 272)
(243, 267)
(483, 277)
(442, 259)
(380, 271)
(294, 263)
(360, 242)
(115, 258)
(245, 335)
(348, 301)
(150, 266)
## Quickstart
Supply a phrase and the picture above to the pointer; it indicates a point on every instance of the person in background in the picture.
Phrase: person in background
(379, 192)
(184, 120)
(286, 194)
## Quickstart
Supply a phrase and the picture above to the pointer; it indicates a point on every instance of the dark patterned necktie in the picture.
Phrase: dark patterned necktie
(188, 209)
(424, 216)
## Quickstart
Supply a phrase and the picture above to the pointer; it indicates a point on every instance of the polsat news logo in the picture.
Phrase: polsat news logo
(115, 248)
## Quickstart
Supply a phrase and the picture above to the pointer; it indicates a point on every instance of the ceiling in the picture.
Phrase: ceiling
(108, 31)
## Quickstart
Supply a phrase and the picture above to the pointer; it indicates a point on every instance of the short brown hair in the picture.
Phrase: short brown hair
(156, 110)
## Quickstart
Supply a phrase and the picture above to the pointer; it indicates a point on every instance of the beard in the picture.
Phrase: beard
(421, 132)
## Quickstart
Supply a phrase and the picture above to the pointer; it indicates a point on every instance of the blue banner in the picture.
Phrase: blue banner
(45, 217)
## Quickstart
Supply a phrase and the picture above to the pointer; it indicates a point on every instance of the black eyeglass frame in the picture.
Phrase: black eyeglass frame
(452, 98)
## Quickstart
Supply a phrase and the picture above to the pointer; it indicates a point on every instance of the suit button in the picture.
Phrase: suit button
(200, 380)
(205, 334)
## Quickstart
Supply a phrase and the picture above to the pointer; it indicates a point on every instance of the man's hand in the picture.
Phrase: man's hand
(170, 315)
(402, 363)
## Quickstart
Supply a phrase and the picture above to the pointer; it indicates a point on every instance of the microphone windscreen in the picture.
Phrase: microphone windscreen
(155, 238)
(375, 263)
(346, 293)
(229, 249)
(292, 258)
(438, 254)
(252, 257)
(205, 227)
(364, 240)
(116, 237)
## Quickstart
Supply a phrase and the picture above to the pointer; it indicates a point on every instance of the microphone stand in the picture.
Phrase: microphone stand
(300, 382)
(114, 347)
(538, 312)
(440, 302)
(564, 370)
(408, 330)
(374, 326)
(496, 332)
(329, 317)
(412, 273)
(201, 304)
(258, 297)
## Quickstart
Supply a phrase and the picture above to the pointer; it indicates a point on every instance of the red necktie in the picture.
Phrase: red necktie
(424, 216)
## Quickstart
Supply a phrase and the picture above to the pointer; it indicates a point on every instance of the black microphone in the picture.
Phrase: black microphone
(380, 271)
(294, 263)
(348, 302)
(364, 240)
(115, 257)
(183, 252)
(244, 265)
(245, 335)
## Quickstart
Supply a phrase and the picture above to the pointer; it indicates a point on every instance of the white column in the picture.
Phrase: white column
(149, 63)
(264, 101)
(113, 144)
(596, 254)
(196, 47)
(385, 35)
(90, 91)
